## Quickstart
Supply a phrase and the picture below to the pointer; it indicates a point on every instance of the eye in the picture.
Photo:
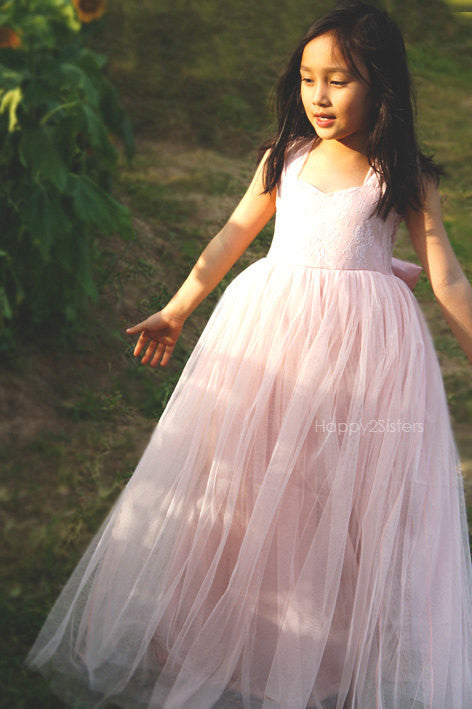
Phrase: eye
(339, 83)
(306, 80)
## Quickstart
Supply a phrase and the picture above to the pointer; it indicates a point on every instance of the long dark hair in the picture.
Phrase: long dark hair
(392, 147)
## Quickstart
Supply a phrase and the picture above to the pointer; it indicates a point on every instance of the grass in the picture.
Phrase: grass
(463, 7)
(78, 413)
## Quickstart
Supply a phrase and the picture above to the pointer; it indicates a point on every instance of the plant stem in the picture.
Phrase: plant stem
(46, 118)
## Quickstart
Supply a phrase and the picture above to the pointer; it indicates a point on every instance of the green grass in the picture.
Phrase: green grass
(459, 5)
(208, 72)
(78, 412)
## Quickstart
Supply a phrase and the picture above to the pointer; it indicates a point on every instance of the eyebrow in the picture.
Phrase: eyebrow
(328, 68)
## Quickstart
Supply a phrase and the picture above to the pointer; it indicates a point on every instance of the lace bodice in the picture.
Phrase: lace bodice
(330, 229)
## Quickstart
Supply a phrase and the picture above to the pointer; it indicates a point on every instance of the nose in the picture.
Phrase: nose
(320, 94)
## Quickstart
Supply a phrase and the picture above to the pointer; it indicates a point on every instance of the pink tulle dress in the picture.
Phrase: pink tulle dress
(295, 533)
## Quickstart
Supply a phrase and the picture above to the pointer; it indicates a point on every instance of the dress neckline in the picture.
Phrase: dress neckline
(304, 159)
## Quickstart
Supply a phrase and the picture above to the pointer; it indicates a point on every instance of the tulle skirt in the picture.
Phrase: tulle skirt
(295, 533)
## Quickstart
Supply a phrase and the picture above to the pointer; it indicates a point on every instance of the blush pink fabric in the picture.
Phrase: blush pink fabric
(407, 271)
(295, 533)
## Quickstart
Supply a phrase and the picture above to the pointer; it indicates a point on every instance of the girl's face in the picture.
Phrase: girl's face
(336, 102)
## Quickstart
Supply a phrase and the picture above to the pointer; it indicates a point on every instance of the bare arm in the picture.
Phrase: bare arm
(250, 216)
(161, 330)
(448, 281)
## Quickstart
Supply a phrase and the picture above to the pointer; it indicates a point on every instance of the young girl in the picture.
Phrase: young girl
(295, 533)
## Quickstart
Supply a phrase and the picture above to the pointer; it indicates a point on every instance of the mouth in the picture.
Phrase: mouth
(323, 119)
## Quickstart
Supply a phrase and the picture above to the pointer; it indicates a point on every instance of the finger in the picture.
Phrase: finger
(136, 328)
(141, 343)
(160, 350)
(167, 354)
(149, 352)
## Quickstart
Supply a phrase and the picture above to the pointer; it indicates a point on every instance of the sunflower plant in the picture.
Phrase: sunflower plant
(59, 117)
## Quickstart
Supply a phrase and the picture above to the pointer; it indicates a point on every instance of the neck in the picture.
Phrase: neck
(343, 150)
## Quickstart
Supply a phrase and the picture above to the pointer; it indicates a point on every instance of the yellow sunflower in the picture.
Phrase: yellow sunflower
(9, 38)
(89, 10)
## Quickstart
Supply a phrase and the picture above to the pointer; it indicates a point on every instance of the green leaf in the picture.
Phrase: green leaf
(45, 219)
(115, 117)
(67, 13)
(12, 275)
(37, 30)
(5, 309)
(93, 206)
(46, 25)
(84, 268)
(5, 255)
(90, 61)
(38, 152)
(73, 77)
(13, 70)
(10, 102)
(96, 130)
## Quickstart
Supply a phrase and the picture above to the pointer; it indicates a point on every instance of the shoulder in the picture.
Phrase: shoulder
(296, 148)
(431, 196)
(295, 153)
(279, 160)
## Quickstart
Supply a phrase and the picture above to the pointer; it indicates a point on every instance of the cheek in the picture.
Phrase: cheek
(356, 107)
(304, 100)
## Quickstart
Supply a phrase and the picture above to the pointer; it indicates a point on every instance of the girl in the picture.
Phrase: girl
(295, 533)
